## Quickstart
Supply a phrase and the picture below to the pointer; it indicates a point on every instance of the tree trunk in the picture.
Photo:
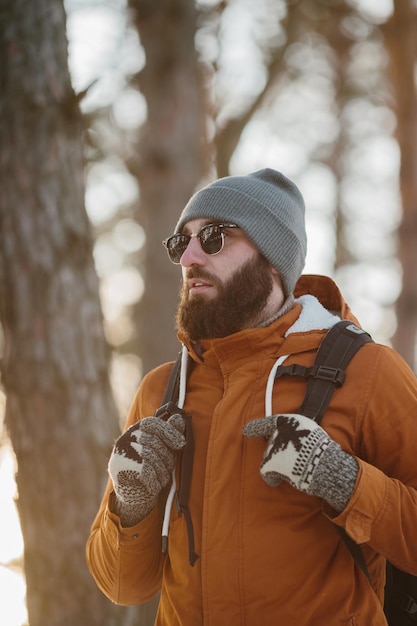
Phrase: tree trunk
(400, 33)
(60, 412)
(171, 158)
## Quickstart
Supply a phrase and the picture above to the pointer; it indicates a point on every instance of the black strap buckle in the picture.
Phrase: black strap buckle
(167, 410)
(292, 370)
(331, 374)
(408, 605)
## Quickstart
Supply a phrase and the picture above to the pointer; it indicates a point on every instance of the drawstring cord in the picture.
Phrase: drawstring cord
(172, 491)
(270, 384)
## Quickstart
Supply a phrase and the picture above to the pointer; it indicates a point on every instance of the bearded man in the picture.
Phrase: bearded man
(249, 526)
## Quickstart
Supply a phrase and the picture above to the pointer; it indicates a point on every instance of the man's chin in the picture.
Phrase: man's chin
(221, 310)
(203, 296)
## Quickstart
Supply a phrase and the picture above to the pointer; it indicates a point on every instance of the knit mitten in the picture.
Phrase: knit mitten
(300, 452)
(141, 465)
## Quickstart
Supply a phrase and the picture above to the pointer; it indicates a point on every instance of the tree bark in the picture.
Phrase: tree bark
(171, 158)
(401, 40)
(60, 412)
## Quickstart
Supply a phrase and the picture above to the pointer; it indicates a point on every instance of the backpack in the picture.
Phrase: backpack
(327, 373)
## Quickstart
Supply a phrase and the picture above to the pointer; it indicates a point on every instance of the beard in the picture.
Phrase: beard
(239, 303)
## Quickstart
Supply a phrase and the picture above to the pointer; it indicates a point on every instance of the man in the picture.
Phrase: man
(255, 543)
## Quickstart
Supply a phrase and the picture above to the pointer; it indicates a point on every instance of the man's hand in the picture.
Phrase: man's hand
(141, 464)
(300, 452)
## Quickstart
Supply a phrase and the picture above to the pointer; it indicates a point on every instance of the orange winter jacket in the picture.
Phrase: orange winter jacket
(272, 556)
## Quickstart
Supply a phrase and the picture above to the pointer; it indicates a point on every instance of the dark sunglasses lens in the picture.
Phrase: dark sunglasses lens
(211, 239)
(176, 246)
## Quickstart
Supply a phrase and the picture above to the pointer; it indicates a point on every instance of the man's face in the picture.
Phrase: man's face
(224, 293)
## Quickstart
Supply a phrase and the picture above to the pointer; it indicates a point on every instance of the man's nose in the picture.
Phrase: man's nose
(194, 254)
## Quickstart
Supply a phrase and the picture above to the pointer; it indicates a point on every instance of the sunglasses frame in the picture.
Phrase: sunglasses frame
(188, 238)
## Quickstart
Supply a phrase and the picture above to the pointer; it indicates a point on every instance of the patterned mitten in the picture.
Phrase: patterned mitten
(300, 452)
(141, 465)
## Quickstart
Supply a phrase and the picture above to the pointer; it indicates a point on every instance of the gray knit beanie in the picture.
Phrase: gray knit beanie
(268, 207)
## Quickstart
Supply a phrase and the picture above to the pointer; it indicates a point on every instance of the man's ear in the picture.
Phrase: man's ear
(276, 277)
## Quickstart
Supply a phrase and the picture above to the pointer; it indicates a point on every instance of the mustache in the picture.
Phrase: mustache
(196, 272)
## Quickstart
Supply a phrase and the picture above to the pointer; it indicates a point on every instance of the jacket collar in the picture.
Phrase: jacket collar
(313, 316)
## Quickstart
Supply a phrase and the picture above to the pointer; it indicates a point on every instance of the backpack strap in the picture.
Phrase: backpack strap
(355, 551)
(171, 390)
(170, 407)
(339, 345)
(337, 348)
(400, 605)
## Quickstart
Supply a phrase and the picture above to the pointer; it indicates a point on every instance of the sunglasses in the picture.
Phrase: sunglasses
(211, 239)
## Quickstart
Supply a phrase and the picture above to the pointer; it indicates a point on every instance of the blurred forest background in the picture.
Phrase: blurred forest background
(112, 113)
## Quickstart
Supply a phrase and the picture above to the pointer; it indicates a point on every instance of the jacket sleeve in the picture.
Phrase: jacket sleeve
(383, 509)
(126, 563)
